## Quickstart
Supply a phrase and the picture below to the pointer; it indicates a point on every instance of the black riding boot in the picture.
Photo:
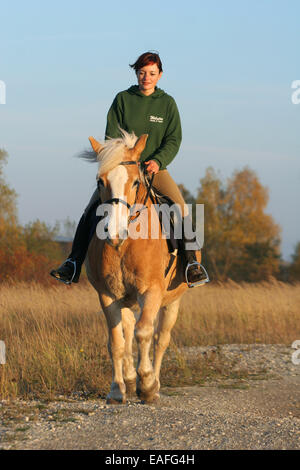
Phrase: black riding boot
(195, 273)
(70, 270)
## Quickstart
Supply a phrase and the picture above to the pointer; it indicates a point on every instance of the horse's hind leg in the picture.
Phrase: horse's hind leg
(129, 371)
(116, 347)
(147, 385)
(166, 321)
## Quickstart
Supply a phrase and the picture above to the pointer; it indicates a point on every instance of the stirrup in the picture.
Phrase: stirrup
(197, 283)
(70, 260)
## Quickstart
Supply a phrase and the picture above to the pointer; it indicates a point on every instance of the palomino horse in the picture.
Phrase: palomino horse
(129, 272)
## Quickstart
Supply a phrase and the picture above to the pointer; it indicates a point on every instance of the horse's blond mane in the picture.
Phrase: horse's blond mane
(113, 151)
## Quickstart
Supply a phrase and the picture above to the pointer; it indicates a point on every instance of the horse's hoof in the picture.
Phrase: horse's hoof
(150, 395)
(115, 401)
(151, 399)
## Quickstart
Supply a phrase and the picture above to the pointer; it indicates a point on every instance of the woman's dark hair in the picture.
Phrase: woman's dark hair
(146, 59)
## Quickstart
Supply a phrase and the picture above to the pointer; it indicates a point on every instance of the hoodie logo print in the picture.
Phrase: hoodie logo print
(156, 119)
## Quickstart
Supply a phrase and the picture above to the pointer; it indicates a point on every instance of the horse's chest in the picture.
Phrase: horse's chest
(113, 277)
(120, 283)
(118, 273)
(115, 284)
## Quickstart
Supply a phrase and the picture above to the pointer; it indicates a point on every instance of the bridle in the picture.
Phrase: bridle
(117, 200)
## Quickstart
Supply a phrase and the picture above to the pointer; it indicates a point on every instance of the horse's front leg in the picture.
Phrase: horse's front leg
(167, 319)
(129, 371)
(116, 347)
(147, 385)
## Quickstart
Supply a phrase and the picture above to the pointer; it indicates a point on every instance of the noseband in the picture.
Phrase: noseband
(117, 200)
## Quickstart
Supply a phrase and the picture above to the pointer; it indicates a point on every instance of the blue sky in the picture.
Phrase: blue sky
(228, 64)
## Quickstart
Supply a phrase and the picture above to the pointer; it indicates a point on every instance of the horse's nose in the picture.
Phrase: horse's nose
(114, 242)
(117, 241)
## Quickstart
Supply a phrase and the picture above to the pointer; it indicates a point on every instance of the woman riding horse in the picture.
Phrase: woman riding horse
(142, 109)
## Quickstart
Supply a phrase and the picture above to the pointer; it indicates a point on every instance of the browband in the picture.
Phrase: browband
(129, 163)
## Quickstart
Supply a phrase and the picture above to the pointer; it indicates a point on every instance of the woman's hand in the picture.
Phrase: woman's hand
(152, 167)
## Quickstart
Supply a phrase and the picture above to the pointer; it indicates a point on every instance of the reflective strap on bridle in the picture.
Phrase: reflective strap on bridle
(130, 162)
(117, 200)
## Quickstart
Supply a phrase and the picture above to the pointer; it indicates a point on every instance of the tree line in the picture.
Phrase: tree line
(241, 241)
(26, 252)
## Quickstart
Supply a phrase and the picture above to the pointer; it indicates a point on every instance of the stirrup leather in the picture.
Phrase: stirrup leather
(197, 283)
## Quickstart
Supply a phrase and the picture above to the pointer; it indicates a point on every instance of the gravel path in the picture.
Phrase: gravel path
(261, 411)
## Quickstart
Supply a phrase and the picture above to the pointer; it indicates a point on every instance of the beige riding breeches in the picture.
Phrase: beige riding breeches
(165, 184)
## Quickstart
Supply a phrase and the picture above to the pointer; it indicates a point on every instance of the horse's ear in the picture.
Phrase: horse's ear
(97, 147)
(140, 144)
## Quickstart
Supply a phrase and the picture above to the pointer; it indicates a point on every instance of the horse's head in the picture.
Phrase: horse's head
(118, 181)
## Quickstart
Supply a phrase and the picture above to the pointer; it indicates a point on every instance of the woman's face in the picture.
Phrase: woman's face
(148, 77)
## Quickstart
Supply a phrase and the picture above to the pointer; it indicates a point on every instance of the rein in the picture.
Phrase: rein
(149, 189)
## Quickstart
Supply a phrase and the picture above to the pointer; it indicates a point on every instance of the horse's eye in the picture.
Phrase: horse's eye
(136, 183)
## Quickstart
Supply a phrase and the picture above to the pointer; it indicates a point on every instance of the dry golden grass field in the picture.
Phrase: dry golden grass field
(56, 336)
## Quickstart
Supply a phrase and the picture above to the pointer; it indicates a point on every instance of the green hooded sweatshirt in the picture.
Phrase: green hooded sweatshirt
(156, 115)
